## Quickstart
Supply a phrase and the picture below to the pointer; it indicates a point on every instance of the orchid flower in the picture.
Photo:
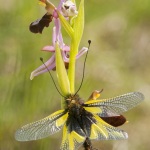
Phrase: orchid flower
(73, 22)
(51, 64)
(68, 9)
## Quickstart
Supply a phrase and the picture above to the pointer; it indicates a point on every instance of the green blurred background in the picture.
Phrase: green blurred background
(118, 62)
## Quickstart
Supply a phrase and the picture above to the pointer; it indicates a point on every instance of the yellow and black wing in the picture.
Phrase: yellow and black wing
(114, 106)
(42, 128)
(73, 135)
(100, 130)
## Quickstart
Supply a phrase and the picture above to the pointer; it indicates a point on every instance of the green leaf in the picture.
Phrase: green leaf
(79, 24)
(61, 73)
(66, 25)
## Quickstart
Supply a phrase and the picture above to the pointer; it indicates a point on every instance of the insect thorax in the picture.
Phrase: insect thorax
(74, 105)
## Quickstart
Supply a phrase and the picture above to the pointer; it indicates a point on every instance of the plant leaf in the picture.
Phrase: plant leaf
(79, 24)
(66, 25)
(61, 72)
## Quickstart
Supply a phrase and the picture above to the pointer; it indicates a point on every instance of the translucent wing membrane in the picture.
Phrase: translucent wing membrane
(42, 128)
(100, 130)
(114, 106)
(73, 135)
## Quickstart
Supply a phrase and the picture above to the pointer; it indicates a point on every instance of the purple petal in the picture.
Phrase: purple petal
(60, 4)
(50, 65)
(58, 33)
(48, 48)
(54, 36)
(60, 38)
(55, 14)
(81, 52)
(33, 74)
(57, 25)
(66, 48)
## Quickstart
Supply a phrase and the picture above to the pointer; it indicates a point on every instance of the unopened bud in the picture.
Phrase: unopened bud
(69, 9)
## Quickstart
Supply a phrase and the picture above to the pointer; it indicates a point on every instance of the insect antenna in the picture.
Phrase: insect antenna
(89, 41)
(51, 77)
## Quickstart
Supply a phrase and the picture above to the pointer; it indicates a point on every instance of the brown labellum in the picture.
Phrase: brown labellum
(115, 120)
(38, 25)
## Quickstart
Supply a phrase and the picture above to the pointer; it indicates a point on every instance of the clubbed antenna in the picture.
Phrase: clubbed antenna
(51, 77)
(89, 41)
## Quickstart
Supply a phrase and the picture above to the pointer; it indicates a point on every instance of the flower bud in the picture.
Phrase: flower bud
(69, 9)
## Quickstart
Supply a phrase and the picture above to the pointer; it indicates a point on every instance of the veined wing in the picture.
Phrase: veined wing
(114, 106)
(73, 135)
(42, 128)
(100, 130)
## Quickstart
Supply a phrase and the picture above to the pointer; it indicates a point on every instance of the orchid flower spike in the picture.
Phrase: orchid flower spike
(50, 63)
(73, 22)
